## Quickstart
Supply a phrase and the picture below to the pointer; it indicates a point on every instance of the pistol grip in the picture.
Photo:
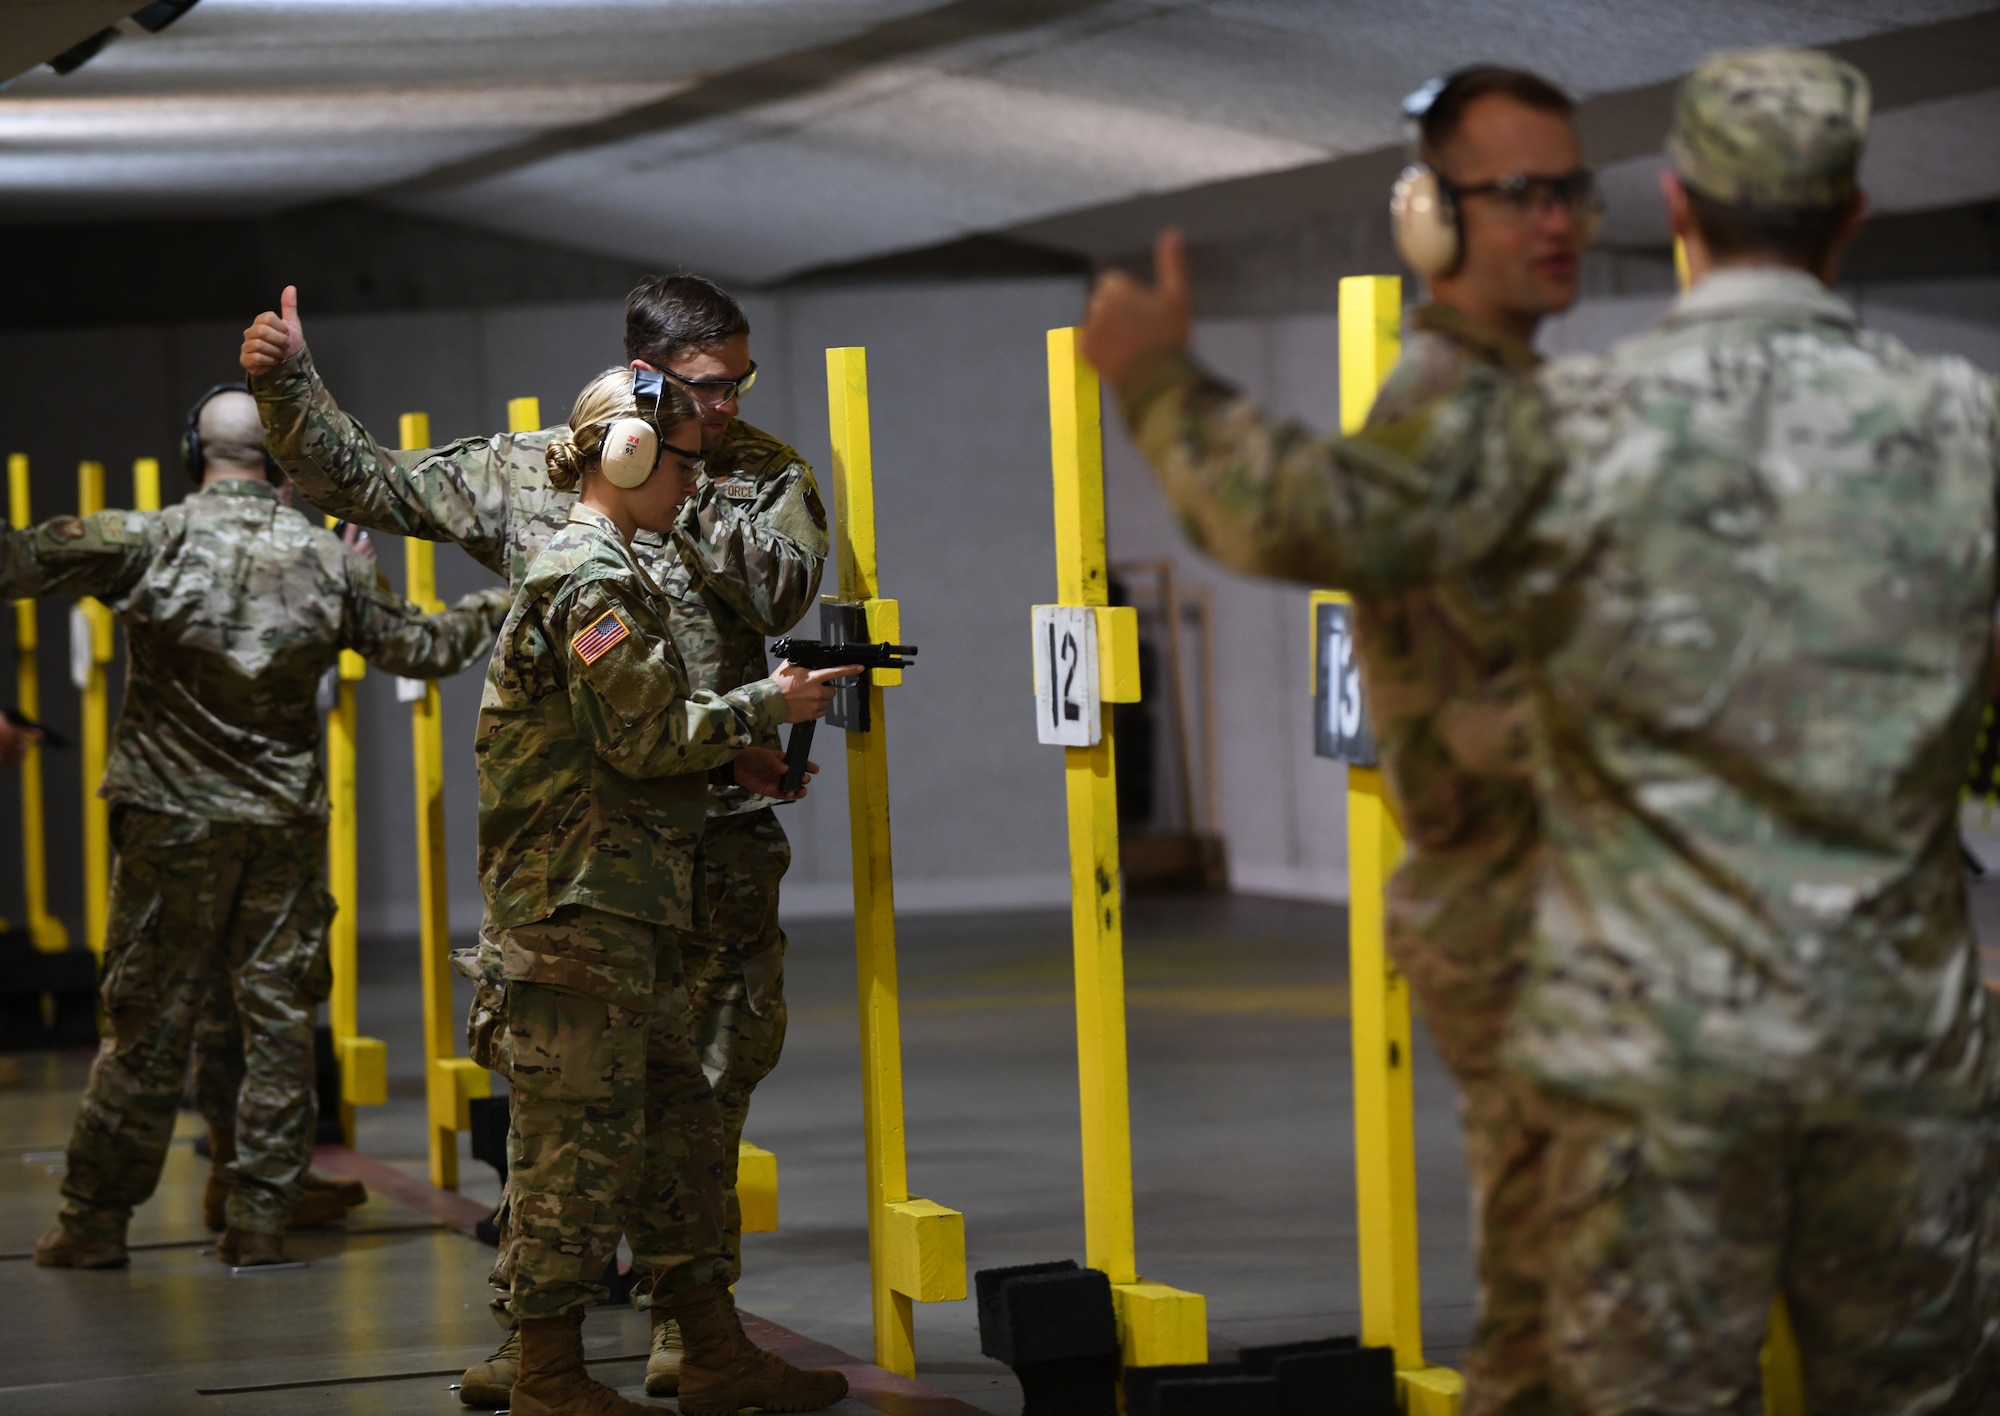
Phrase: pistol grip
(798, 747)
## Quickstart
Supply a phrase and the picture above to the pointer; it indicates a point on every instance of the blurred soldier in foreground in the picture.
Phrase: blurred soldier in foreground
(595, 759)
(742, 562)
(1750, 558)
(233, 605)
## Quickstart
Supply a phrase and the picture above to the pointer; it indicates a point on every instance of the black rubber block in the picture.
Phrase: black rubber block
(1045, 1313)
(1357, 1381)
(1260, 1361)
(1241, 1395)
(1142, 1384)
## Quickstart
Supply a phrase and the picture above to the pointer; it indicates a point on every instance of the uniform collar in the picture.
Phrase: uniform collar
(581, 515)
(239, 487)
(1763, 290)
(1491, 345)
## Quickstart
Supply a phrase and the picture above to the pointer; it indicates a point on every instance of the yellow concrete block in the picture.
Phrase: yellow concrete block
(757, 1188)
(352, 665)
(1158, 1325)
(1117, 653)
(364, 1070)
(924, 1252)
(885, 626)
(461, 1080)
(1430, 1391)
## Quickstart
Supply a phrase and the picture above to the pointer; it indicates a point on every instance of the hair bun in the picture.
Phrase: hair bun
(565, 460)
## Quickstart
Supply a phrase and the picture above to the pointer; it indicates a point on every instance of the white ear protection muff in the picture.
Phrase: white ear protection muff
(632, 444)
(1423, 218)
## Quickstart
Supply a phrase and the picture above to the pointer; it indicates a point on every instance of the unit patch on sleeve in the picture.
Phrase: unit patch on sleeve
(606, 630)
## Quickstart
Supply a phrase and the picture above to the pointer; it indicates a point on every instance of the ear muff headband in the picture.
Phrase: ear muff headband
(191, 450)
(632, 444)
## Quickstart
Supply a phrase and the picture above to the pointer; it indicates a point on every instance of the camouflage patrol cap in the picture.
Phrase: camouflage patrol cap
(1771, 128)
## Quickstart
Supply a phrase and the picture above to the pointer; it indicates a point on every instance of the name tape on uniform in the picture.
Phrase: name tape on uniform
(1066, 690)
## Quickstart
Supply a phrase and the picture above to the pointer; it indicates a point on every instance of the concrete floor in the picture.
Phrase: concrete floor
(1242, 1152)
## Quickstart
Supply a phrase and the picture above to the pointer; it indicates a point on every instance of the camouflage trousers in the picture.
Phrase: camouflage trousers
(198, 907)
(613, 1126)
(1458, 928)
(1669, 1238)
(734, 970)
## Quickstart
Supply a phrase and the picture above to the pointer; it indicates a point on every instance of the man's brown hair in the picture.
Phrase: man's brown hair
(667, 315)
(1439, 123)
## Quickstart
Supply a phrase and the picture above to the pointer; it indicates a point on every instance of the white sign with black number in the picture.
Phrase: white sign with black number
(82, 651)
(409, 690)
(1066, 700)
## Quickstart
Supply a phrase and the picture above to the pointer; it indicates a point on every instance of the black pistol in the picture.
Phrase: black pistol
(50, 737)
(817, 654)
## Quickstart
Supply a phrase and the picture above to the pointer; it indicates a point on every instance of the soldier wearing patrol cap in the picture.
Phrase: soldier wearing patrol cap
(1750, 559)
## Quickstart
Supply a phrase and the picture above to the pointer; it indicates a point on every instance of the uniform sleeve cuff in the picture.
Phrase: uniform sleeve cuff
(1153, 383)
(767, 705)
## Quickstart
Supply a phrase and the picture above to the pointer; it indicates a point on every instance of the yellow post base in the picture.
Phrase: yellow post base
(364, 1070)
(923, 1250)
(1784, 1383)
(1159, 1326)
(757, 1188)
(1430, 1391)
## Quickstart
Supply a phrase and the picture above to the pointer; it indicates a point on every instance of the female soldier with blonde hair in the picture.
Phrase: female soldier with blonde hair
(594, 759)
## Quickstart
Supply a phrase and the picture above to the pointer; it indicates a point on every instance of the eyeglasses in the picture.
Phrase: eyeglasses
(691, 462)
(1521, 197)
(711, 393)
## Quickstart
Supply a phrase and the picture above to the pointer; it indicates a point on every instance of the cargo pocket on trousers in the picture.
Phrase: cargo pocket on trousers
(575, 1050)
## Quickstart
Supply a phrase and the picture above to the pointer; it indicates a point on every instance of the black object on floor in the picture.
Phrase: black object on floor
(621, 1282)
(1055, 1326)
(487, 1231)
(46, 1000)
(1333, 1376)
(326, 1083)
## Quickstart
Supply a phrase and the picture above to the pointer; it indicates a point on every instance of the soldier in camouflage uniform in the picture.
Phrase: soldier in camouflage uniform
(595, 759)
(1749, 558)
(742, 563)
(233, 605)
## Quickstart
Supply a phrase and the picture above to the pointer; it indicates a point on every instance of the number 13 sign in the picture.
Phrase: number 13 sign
(1340, 714)
(1066, 684)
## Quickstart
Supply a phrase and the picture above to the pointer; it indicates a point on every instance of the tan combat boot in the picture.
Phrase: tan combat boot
(351, 1193)
(552, 1381)
(491, 1383)
(250, 1248)
(663, 1363)
(66, 1246)
(722, 1372)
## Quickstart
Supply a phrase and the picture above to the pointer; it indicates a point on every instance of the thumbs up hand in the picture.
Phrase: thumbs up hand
(274, 338)
(1131, 326)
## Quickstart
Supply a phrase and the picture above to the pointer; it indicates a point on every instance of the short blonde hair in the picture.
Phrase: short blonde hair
(604, 400)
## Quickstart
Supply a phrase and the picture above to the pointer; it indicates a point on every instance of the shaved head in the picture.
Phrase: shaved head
(231, 431)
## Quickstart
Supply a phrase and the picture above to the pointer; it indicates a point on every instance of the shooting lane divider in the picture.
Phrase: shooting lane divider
(92, 646)
(363, 1061)
(1087, 659)
(916, 1249)
(48, 932)
(451, 1082)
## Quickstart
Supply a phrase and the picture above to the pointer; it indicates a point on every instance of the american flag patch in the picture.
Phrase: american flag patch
(603, 632)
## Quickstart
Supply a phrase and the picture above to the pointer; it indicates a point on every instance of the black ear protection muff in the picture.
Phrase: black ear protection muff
(191, 450)
(1423, 206)
(632, 443)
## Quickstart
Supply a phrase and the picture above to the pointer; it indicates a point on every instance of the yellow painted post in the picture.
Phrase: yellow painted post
(364, 1061)
(1157, 1324)
(451, 1081)
(146, 484)
(1385, 1155)
(92, 647)
(524, 415)
(48, 932)
(916, 1249)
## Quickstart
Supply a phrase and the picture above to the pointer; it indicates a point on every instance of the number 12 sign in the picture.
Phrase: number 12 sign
(1066, 692)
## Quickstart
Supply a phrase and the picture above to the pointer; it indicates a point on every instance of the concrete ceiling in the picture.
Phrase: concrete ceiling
(760, 138)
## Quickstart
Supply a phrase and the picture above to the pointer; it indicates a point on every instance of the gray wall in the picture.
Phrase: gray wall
(964, 505)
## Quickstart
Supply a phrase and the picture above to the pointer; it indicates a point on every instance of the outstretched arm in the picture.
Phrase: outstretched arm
(393, 634)
(762, 555)
(103, 555)
(452, 493)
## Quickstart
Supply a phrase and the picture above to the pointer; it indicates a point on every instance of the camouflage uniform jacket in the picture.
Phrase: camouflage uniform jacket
(233, 606)
(1446, 698)
(1750, 558)
(742, 564)
(592, 749)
